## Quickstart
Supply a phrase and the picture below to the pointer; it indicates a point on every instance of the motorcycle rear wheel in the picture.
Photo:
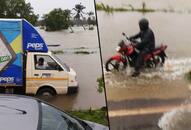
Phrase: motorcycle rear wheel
(113, 64)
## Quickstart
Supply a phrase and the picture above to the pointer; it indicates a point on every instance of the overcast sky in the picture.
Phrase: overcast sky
(44, 6)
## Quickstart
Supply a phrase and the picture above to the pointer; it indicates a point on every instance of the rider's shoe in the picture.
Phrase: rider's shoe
(135, 74)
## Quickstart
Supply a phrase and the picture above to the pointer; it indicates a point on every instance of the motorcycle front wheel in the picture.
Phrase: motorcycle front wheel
(159, 60)
(113, 64)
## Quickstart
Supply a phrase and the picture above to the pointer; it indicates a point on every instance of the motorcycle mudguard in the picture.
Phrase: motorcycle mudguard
(163, 54)
(118, 58)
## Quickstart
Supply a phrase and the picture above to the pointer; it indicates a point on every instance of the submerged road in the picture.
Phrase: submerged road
(142, 118)
(139, 104)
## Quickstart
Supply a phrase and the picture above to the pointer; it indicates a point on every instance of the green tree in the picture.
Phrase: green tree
(2, 8)
(57, 19)
(91, 18)
(17, 9)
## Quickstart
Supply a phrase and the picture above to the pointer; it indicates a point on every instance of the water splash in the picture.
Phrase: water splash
(176, 119)
(173, 69)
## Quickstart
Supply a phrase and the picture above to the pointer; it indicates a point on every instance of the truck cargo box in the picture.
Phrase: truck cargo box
(17, 36)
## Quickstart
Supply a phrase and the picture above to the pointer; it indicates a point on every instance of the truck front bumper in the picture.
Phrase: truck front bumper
(73, 89)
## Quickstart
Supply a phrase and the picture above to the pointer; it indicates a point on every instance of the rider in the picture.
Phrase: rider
(145, 46)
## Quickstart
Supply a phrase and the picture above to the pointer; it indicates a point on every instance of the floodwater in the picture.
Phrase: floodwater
(141, 102)
(87, 67)
(170, 28)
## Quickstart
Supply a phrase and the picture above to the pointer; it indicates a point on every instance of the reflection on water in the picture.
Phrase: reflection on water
(87, 67)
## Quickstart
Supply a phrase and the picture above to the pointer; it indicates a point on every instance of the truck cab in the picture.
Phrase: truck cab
(50, 77)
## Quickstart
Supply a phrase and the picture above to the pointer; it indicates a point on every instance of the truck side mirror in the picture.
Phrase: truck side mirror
(60, 69)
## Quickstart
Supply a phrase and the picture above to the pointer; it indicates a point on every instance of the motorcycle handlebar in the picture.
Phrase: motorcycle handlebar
(131, 40)
(125, 36)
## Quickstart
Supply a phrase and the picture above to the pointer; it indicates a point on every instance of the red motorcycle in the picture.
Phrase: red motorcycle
(127, 55)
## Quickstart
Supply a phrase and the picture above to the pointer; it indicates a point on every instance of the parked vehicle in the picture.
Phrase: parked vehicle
(27, 113)
(127, 54)
(26, 65)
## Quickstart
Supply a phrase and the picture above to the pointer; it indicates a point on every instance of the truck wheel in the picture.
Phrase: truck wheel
(46, 92)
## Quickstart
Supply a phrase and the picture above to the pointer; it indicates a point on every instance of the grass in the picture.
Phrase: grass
(100, 84)
(58, 52)
(110, 9)
(76, 51)
(99, 115)
(79, 48)
(143, 9)
(105, 8)
(188, 76)
(84, 52)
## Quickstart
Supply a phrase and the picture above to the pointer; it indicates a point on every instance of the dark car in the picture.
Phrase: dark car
(28, 113)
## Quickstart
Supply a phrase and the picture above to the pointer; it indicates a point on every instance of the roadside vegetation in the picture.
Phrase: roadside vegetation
(59, 19)
(188, 76)
(110, 9)
(143, 9)
(101, 85)
(75, 52)
(98, 115)
(55, 20)
(18, 9)
(79, 50)
(58, 52)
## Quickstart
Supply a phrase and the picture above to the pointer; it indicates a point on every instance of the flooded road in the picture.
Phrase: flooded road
(170, 28)
(87, 66)
(139, 103)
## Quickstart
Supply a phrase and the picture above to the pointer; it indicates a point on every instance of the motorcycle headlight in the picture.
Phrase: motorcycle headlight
(117, 48)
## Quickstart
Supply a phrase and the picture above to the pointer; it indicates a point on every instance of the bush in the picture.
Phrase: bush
(98, 116)
(101, 85)
(57, 19)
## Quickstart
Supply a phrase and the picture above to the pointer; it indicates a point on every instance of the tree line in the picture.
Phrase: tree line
(56, 19)
(17, 9)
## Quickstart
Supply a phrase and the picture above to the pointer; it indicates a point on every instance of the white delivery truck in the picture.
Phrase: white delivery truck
(26, 65)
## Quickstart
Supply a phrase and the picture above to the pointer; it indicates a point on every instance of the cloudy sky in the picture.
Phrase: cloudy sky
(44, 6)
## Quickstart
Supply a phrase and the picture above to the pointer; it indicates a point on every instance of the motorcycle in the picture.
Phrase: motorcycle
(128, 53)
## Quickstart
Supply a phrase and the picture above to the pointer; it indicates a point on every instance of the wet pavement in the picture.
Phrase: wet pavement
(151, 116)
(139, 122)
(139, 104)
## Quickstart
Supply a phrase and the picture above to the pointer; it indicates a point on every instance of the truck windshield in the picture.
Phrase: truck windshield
(66, 67)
